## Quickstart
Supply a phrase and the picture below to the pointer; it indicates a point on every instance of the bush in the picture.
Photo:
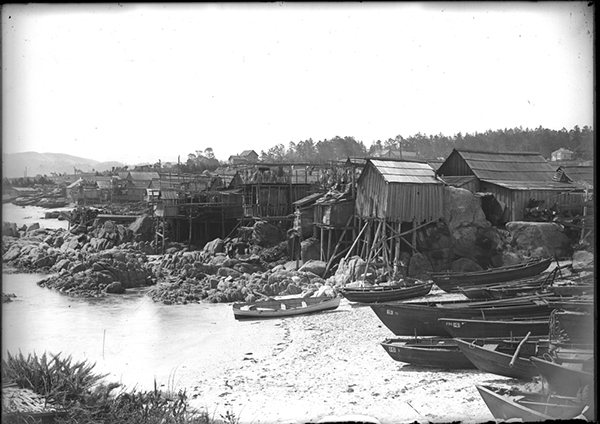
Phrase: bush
(73, 387)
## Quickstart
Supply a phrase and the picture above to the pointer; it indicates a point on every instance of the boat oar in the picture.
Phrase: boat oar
(514, 358)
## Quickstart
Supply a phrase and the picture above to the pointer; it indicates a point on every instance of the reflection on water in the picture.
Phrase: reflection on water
(128, 336)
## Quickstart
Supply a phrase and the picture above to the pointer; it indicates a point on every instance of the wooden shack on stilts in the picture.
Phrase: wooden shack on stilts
(394, 199)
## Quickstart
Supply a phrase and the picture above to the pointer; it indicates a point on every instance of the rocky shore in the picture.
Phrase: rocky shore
(108, 258)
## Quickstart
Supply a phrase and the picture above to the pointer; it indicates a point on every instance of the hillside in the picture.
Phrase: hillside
(16, 164)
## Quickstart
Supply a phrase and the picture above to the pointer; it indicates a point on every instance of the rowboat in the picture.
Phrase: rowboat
(565, 379)
(451, 281)
(520, 406)
(508, 288)
(572, 290)
(576, 326)
(284, 307)
(439, 352)
(385, 293)
(500, 359)
(476, 328)
(421, 318)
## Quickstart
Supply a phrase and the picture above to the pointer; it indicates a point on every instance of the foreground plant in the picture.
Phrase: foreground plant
(74, 388)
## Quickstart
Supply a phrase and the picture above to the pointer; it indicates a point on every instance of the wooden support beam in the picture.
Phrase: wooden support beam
(356, 240)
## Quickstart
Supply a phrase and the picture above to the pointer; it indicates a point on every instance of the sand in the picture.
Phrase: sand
(328, 364)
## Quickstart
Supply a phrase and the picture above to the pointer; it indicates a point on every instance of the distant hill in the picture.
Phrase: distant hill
(14, 164)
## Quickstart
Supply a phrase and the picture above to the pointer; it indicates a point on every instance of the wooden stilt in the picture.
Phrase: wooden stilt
(356, 240)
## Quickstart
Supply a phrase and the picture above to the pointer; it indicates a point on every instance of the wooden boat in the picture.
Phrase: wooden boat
(576, 326)
(500, 359)
(565, 379)
(520, 406)
(421, 318)
(508, 288)
(439, 352)
(284, 307)
(572, 290)
(477, 328)
(451, 281)
(385, 293)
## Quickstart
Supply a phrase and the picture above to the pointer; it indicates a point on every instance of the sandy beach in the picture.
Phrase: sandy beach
(305, 368)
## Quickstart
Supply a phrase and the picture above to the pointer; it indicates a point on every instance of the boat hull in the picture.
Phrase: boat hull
(438, 353)
(471, 328)
(385, 294)
(506, 407)
(418, 319)
(450, 282)
(563, 380)
(292, 307)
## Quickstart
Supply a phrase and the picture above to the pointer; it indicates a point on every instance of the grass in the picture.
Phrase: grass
(75, 388)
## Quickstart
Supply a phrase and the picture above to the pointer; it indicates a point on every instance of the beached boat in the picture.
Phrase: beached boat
(576, 326)
(284, 307)
(385, 293)
(421, 318)
(509, 288)
(451, 281)
(476, 328)
(519, 406)
(565, 379)
(439, 352)
(500, 359)
(572, 290)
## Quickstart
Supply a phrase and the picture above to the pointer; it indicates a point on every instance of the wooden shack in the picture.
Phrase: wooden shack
(518, 180)
(393, 199)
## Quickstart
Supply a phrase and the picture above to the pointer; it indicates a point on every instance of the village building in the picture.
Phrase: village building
(246, 157)
(393, 199)
(561, 154)
(515, 181)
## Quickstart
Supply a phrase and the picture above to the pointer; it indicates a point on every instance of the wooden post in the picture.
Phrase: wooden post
(356, 239)
(190, 232)
(329, 234)
(398, 243)
(322, 235)
(414, 236)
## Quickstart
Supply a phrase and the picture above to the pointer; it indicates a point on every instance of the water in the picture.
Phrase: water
(31, 214)
(129, 336)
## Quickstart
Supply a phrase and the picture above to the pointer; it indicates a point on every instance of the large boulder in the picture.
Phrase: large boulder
(143, 228)
(462, 208)
(540, 239)
(314, 266)
(420, 266)
(267, 235)
(350, 270)
(214, 246)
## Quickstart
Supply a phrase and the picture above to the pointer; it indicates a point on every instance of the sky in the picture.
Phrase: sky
(136, 83)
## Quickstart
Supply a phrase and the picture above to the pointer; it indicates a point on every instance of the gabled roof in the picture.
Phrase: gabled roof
(505, 166)
(247, 152)
(575, 174)
(536, 185)
(394, 171)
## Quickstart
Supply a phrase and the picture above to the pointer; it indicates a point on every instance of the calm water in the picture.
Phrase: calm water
(130, 336)
(31, 214)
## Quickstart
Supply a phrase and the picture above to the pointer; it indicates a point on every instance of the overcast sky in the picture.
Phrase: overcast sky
(138, 83)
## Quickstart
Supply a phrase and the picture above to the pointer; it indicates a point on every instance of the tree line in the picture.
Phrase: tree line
(541, 140)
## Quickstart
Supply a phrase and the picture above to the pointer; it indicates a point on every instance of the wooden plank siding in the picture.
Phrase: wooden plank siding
(517, 200)
(397, 202)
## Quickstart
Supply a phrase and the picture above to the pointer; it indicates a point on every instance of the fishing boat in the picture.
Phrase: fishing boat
(451, 281)
(509, 359)
(439, 352)
(509, 288)
(515, 405)
(382, 293)
(576, 326)
(565, 379)
(572, 290)
(421, 318)
(279, 308)
(476, 328)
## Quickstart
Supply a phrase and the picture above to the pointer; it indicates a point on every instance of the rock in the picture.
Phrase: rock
(12, 254)
(465, 265)
(510, 258)
(314, 266)
(213, 247)
(143, 228)
(266, 235)
(529, 236)
(420, 267)
(325, 290)
(33, 227)
(311, 250)
(583, 259)
(228, 272)
(115, 288)
(462, 208)
(349, 270)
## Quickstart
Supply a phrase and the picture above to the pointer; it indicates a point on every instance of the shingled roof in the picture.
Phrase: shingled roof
(501, 166)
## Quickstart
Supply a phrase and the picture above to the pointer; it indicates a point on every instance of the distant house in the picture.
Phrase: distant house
(516, 180)
(561, 154)
(247, 156)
